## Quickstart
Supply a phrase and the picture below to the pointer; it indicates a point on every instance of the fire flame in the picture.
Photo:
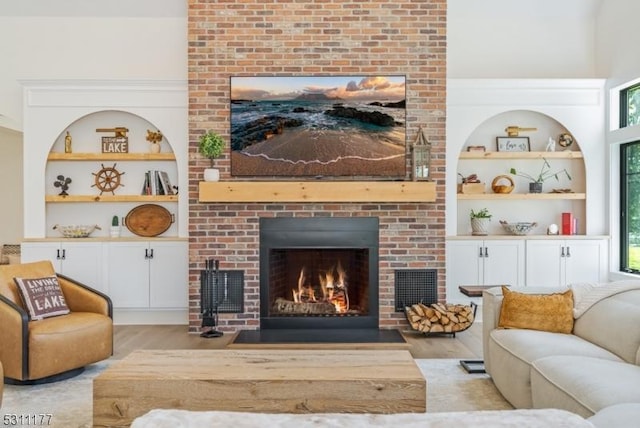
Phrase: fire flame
(333, 284)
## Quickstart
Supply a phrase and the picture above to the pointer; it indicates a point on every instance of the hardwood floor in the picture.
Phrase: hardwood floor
(127, 338)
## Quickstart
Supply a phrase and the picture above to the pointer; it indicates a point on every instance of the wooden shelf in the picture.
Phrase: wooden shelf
(522, 155)
(521, 196)
(313, 191)
(111, 198)
(111, 156)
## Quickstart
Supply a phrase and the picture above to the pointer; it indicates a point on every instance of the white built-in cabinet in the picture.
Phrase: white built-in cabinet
(81, 261)
(554, 263)
(140, 275)
(149, 274)
(483, 262)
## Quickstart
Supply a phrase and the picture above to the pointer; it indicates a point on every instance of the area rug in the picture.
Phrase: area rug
(449, 389)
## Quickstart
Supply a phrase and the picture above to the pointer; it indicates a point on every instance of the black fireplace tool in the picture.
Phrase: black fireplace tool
(209, 281)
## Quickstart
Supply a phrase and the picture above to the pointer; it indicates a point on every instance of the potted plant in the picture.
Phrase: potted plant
(480, 222)
(114, 232)
(535, 185)
(211, 146)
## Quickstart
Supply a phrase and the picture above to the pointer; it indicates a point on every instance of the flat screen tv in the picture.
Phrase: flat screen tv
(318, 126)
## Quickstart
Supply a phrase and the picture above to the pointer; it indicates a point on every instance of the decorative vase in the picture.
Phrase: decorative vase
(535, 187)
(479, 226)
(211, 174)
(155, 148)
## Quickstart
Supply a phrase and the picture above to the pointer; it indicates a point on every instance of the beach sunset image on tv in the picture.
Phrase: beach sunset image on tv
(321, 126)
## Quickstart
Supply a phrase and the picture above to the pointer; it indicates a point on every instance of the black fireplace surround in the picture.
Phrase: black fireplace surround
(329, 237)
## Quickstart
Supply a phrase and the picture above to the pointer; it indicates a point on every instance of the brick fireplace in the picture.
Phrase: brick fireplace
(228, 38)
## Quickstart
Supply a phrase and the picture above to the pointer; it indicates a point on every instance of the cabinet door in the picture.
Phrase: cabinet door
(36, 251)
(128, 275)
(169, 275)
(585, 261)
(503, 262)
(544, 264)
(82, 261)
(464, 267)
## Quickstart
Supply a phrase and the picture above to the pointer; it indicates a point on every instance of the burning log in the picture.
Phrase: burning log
(439, 318)
(284, 306)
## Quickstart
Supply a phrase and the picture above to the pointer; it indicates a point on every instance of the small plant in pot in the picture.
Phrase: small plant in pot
(114, 232)
(480, 222)
(211, 146)
(535, 185)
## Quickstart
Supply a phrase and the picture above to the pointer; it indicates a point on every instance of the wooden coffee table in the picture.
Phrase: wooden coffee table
(269, 381)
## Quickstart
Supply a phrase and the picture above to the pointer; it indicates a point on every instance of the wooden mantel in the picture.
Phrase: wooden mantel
(316, 191)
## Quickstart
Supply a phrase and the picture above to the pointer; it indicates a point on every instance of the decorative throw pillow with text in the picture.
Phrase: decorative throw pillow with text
(42, 296)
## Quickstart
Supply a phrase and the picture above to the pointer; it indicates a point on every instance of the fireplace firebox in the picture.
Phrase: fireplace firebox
(319, 273)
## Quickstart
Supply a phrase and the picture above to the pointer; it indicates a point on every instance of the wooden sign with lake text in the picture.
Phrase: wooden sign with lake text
(115, 144)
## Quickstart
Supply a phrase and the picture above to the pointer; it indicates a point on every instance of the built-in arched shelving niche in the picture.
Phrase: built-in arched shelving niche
(544, 209)
(87, 159)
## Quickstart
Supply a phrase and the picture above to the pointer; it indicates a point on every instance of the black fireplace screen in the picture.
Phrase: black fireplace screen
(222, 291)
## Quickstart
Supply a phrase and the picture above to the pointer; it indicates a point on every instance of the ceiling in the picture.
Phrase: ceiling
(525, 9)
(513, 9)
(101, 8)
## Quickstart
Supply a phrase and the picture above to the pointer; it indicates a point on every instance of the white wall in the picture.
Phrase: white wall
(12, 186)
(521, 39)
(617, 40)
(86, 48)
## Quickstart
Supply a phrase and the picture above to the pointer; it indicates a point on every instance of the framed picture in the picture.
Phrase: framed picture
(513, 144)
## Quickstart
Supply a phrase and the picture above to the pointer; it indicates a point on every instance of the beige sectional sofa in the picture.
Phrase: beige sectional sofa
(595, 370)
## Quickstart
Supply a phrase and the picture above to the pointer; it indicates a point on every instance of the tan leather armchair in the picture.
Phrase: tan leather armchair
(53, 348)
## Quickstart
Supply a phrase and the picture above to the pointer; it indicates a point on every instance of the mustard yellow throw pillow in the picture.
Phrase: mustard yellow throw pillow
(547, 312)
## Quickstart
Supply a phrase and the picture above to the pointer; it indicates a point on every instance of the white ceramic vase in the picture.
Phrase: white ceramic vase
(211, 174)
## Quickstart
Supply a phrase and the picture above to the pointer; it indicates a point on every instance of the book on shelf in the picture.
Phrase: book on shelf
(569, 224)
(157, 183)
(166, 183)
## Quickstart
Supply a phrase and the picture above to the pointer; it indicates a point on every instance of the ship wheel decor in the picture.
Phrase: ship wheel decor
(108, 179)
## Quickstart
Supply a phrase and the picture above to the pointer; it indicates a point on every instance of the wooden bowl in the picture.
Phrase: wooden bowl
(501, 187)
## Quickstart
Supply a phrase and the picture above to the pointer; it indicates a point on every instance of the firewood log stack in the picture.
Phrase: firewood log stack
(439, 317)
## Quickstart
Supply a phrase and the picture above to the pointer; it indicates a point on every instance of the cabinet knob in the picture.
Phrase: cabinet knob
(146, 253)
(561, 251)
(480, 252)
(64, 254)
(568, 252)
(151, 253)
(58, 254)
(486, 252)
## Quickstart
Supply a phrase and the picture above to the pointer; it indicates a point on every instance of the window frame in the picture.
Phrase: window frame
(624, 103)
(624, 214)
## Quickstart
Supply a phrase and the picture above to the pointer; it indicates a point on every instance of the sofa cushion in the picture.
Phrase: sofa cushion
(512, 351)
(625, 415)
(42, 297)
(583, 385)
(548, 312)
(67, 342)
(607, 324)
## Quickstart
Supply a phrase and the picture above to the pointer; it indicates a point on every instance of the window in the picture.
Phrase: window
(630, 106)
(630, 207)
